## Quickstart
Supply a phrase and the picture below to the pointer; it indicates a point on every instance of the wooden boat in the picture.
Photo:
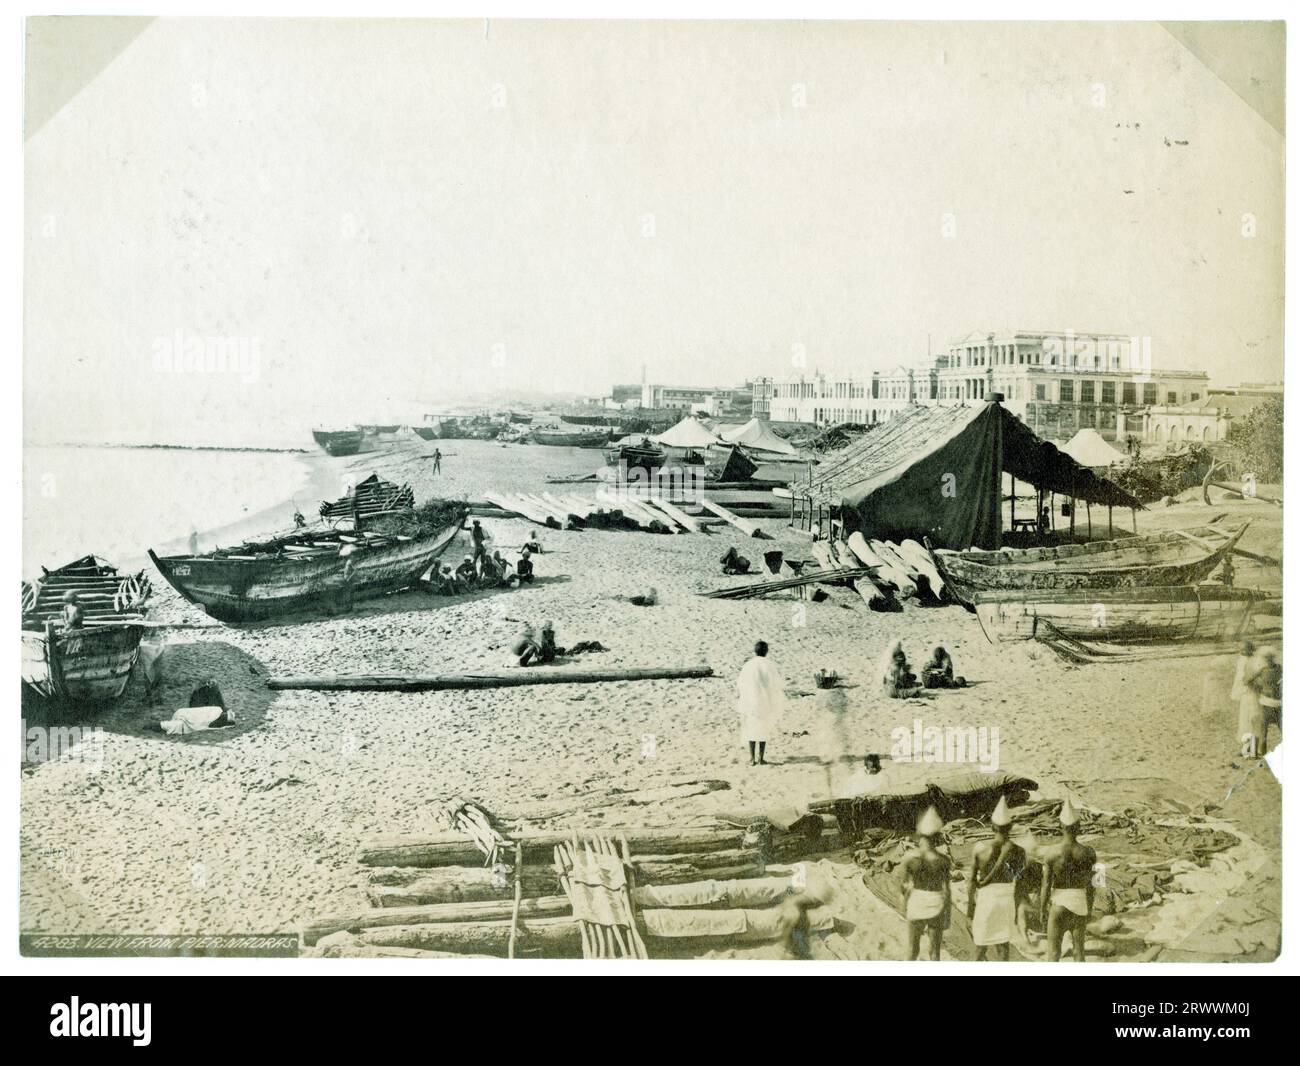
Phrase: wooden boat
(425, 432)
(644, 457)
(310, 569)
(523, 420)
(1118, 615)
(338, 441)
(585, 439)
(1175, 557)
(92, 664)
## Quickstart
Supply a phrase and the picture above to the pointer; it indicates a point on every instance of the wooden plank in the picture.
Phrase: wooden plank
(744, 525)
(523, 676)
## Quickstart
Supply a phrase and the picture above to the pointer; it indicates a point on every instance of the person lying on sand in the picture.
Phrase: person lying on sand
(938, 672)
(647, 599)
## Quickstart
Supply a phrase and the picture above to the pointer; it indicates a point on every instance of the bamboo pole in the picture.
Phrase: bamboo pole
(441, 682)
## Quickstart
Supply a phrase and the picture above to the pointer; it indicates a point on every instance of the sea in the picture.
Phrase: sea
(117, 502)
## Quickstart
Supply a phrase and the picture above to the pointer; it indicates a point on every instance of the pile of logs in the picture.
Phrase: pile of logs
(686, 890)
(636, 511)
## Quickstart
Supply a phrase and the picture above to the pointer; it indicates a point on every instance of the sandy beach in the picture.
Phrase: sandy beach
(255, 828)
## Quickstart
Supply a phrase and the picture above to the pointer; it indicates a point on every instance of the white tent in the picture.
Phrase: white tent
(758, 436)
(1089, 448)
(688, 433)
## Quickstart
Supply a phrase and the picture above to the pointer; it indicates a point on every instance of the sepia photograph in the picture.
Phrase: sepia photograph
(506, 491)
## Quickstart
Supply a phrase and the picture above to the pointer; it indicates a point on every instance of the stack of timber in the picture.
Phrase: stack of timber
(574, 512)
(369, 498)
(485, 888)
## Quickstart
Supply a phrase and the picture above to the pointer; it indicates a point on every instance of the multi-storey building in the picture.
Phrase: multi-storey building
(1057, 382)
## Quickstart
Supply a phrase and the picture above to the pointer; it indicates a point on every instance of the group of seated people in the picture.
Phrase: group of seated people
(485, 570)
(533, 647)
(899, 682)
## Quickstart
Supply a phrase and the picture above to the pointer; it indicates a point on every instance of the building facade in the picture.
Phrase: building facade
(1203, 422)
(1056, 382)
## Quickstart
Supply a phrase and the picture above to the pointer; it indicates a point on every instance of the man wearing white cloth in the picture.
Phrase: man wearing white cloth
(995, 871)
(1067, 887)
(761, 698)
(927, 894)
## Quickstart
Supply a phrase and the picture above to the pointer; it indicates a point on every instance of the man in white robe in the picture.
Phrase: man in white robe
(761, 697)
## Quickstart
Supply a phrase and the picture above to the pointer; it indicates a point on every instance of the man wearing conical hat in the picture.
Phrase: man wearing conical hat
(1066, 902)
(992, 901)
(927, 894)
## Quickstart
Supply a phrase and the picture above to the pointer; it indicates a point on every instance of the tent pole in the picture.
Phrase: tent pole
(1110, 521)
(1072, 504)
(1051, 513)
(1013, 503)
(1135, 519)
(1087, 504)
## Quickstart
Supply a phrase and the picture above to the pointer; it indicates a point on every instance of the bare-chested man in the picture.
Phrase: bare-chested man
(1066, 901)
(927, 895)
(992, 902)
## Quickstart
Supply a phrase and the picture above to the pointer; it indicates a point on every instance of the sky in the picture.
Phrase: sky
(373, 218)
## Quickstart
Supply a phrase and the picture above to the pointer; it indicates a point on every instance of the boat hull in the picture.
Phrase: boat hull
(1118, 616)
(344, 442)
(91, 665)
(1155, 562)
(570, 440)
(249, 590)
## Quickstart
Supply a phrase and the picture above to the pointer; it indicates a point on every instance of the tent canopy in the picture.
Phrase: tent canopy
(688, 433)
(1090, 448)
(937, 472)
(756, 435)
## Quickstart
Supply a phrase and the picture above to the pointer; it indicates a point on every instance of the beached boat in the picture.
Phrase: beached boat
(644, 457)
(93, 663)
(518, 419)
(559, 438)
(338, 441)
(313, 569)
(1174, 557)
(1118, 615)
(425, 432)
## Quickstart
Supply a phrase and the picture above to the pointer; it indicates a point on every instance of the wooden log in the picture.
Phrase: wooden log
(551, 936)
(922, 563)
(454, 849)
(727, 863)
(478, 911)
(744, 525)
(440, 682)
(761, 588)
(422, 886)
(715, 894)
(897, 572)
(677, 515)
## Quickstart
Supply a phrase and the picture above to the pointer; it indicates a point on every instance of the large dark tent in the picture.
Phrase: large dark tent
(937, 472)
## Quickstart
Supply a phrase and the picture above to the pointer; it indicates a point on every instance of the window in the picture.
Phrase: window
(1193, 397)
(1150, 394)
(1107, 392)
(1171, 398)
(1130, 392)
(1040, 392)
(1086, 392)
(1067, 392)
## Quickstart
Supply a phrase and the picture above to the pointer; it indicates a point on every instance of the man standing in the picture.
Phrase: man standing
(927, 893)
(479, 536)
(437, 461)
(761, 693)
(996, 868)
(1066, 901)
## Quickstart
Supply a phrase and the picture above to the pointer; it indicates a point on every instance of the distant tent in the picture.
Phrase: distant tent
(937, 472)
(688, 433)
(1091, 449)
(738, 467)
(757, 436)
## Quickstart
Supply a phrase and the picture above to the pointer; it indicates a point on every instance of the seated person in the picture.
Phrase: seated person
(496, 571)
(938, 673)
(466, 574)
(647, 599)
(899, 682)
(73, 616)
(734, 563)
(526, 645)
(443, 582)
(532, 544)
(547, 651)
(524, 568)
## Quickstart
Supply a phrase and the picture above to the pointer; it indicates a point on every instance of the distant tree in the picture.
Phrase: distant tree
(1254, 444)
